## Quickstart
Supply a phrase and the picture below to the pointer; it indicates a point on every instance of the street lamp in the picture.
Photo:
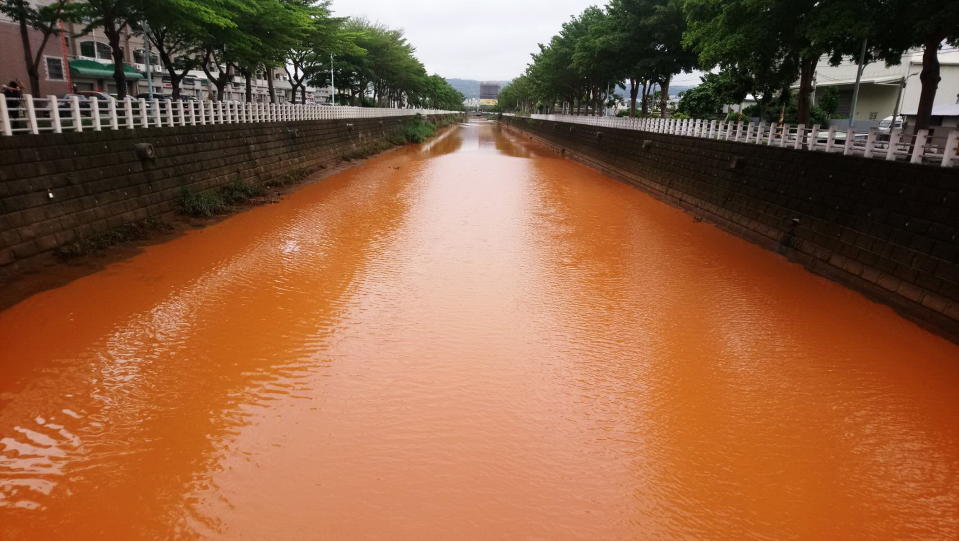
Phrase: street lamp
(146, 61)
(332, 83)
(860, 67)
(902, 86)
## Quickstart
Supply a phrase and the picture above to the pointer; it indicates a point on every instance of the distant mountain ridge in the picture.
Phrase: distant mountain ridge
(470, 87)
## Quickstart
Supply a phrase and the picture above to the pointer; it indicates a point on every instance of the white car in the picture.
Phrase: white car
(886, 125)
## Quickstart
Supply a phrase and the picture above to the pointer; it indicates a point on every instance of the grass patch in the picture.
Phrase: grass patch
(417, 130)
(132, 231)
(210, 203)
(201, 204)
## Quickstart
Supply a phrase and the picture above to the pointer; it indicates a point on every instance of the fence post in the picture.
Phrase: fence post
(193, 113)
(920, 147)
(144, 114)
(95, 113)
(848, 143)
(181, 112)
(5, 126)
(75, 112)
(55, 114)
(813, 137)
(949, 153)
(112, 113)
(31, 111)
(800, 133)
(784, 135)
(894, 136)
(831, 139)
(128, 112)
(870, 143)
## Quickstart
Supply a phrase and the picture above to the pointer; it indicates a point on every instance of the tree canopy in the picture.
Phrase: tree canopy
(372, 64)
(758, 47)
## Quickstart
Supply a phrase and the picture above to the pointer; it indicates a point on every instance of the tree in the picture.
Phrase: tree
(177, 29)
(901, 24)
(45, 19)
(708, 98)
(112, 16)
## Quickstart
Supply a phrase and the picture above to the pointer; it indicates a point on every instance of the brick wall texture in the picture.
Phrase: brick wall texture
(887, 229)
(99, 182)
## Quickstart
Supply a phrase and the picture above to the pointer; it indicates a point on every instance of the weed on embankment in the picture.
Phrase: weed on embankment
(133, 231)
(210, 203)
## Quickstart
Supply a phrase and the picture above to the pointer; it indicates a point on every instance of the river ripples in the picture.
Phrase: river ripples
(472, 338)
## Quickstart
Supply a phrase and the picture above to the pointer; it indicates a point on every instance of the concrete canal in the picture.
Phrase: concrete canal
(472, 338)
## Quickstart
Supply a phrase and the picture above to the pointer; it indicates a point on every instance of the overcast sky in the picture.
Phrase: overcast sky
(471, 39)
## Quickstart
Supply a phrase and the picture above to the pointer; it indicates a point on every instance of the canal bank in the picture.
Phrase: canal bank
(471, 338)
(888, 230)
(58, 191)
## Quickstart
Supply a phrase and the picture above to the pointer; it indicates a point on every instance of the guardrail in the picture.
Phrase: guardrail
(920, 148)
(30, 115)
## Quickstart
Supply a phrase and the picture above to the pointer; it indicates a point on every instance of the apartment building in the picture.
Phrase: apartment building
(76, 61)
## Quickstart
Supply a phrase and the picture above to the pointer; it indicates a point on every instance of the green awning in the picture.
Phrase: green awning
(91, 68)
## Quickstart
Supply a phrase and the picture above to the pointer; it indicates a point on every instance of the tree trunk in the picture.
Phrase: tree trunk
(119, 76)
(645, 105)
(269, 84)
(930, 78)
(807, 68)
(633, 93)
(175, 81)
(663, 97)
(32, 72)
(248, 81)
(303, 92)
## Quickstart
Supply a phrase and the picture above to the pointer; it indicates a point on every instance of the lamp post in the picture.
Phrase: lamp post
(895, 111)
(855, 93)
(146, 61)
(332, 83)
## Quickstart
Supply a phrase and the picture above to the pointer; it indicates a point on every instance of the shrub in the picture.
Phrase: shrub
(201, 204)
(417, 130)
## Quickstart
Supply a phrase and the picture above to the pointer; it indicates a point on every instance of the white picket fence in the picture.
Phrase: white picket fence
(32, 115)
(915, 148)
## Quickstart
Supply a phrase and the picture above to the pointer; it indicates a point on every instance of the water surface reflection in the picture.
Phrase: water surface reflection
(470, 338)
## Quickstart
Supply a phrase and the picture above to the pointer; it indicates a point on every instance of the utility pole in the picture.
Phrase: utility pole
(332, 83)
(146, 61)
(855, 93)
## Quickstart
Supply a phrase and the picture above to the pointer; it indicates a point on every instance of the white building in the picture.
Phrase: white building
(884, 88)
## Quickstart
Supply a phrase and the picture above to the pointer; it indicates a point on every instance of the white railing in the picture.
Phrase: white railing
(895, 146)
(29, 115)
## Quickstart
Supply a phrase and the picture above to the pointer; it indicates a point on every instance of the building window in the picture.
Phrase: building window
(96, 50)
(55, 69)
(873, 116)
(140, 57)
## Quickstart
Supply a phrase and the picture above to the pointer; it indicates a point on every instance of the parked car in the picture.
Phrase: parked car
(66, 99)
(96, 94)
(886, 125)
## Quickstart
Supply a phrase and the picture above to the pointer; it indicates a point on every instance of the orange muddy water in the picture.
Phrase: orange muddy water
(473, 338)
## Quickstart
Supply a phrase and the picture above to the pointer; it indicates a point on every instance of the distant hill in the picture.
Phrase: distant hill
(470, 87)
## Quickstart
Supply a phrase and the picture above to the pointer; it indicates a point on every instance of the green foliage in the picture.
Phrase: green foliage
(201, 204)
(382, 60)
(209, 203)
(417, 130)
(45, 19)
(128, 232)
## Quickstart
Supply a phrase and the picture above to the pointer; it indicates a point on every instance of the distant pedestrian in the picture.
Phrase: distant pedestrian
(13, 93)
